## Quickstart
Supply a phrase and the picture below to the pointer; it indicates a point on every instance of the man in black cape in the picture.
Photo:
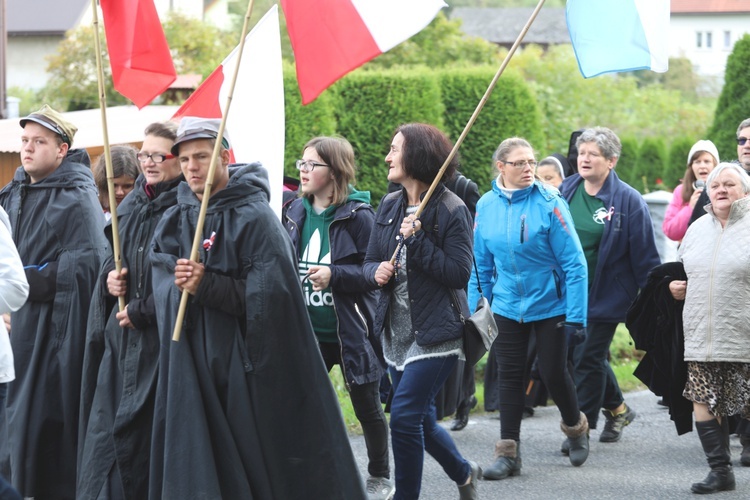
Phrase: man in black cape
(245, 408)
(122, 348)
(58, 228)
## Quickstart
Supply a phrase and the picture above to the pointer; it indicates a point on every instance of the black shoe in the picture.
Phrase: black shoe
(528, 411)
(462, 415)
(615, 424)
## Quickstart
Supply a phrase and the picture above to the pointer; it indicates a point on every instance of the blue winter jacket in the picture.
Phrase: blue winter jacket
(529, 243)
(627, 251)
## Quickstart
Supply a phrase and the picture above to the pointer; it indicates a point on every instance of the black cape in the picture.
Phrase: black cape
(655, 323)
(245, 408)
(120, 364)
(57, 221)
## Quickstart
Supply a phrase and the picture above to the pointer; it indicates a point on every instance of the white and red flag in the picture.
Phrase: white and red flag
(330, 38)
(256, 117)
(142, 66)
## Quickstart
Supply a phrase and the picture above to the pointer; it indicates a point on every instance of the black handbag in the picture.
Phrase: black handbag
(480, 329)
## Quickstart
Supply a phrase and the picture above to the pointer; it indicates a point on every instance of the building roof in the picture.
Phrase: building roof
(709, 6)
(502, 26)
(44, 17)
(125, 125)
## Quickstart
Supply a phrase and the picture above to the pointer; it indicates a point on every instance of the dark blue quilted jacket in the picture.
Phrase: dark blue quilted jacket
(439, 264)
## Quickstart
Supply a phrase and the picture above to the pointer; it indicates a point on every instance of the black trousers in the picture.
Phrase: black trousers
(369, 410)
(511, 353)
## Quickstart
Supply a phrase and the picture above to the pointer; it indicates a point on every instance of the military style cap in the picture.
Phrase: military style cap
(54, 121)
(192, 128)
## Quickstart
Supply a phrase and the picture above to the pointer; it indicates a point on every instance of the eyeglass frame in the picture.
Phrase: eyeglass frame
(309, 165)
(521, 163)
(741, 141)
(152, 155)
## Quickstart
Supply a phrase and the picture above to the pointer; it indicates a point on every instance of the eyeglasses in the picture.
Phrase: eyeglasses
(521, 163)
(309, 165)
(156, 158)
(742, 140)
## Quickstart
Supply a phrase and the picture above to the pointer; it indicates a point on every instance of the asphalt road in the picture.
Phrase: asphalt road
(650, 461)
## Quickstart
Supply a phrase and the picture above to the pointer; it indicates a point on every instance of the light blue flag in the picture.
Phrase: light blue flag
(619, 35)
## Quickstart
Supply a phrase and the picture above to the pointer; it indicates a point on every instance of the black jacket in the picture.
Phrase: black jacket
(58, 222)
(655, 323)
(244, 406)
(440, 262)
(354, 301)
(120, 364)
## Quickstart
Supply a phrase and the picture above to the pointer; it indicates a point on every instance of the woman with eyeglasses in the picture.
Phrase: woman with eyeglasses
(330, 226)
(532, 270)
(422, 302)
(122, 347)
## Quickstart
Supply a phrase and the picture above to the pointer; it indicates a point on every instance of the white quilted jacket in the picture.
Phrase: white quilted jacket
(716, 317)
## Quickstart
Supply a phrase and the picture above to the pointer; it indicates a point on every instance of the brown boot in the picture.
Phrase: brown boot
(578, 438)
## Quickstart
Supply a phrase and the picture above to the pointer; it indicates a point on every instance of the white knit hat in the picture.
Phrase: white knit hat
(707, 146)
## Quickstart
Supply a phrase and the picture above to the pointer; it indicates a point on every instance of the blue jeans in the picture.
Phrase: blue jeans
(595, 381)
(414, 426)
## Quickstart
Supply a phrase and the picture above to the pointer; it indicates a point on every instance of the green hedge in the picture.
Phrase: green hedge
(652, 159)
(675, 168)
(365, 107)
(510, 111)
(370, 105)
(303, 122)
(734, 102)
(626, 167)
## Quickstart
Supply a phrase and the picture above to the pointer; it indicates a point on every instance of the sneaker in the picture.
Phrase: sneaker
(380, 488)
(614, 424)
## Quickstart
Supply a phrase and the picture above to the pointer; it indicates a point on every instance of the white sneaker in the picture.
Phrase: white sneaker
(380, 488)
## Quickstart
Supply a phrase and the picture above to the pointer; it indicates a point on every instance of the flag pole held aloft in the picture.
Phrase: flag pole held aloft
(107, 152)
(473, 118)
(198, 238)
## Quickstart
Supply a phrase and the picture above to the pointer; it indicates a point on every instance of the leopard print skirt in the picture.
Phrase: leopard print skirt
(723, 386)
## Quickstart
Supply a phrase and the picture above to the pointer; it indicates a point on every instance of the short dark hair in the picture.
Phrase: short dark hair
(424, 151)
(166, 130)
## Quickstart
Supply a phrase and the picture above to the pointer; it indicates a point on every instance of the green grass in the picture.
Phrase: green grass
(624, 360)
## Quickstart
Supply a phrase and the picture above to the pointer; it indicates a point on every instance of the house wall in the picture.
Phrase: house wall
(27, 60)
(724, 29)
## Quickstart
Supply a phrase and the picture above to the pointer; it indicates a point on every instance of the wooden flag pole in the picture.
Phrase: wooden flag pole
(210, 176)
(107, 152)
(471, 121)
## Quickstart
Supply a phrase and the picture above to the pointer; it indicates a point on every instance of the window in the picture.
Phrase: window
(727, 39)
(699, 39)
(708, 39)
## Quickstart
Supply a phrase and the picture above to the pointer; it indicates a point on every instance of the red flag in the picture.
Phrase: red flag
(142, 66)
(330, 38)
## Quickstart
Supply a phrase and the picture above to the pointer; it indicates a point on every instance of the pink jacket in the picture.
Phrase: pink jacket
(677, 217)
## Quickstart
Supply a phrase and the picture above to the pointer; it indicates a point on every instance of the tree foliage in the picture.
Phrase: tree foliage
(73, 84)
(734, 102)
(440, 44)
(569, 102)
(677, 163)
